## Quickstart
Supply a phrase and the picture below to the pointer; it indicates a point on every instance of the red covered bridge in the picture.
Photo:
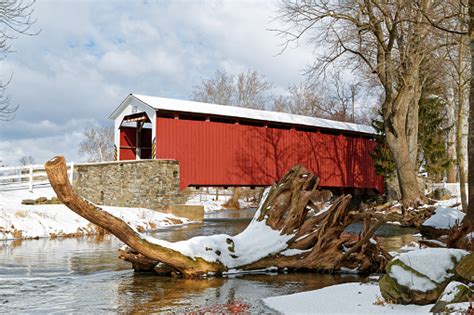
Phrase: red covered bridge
(219, 145)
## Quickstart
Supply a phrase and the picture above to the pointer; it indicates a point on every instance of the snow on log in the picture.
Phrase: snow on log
(288, 231)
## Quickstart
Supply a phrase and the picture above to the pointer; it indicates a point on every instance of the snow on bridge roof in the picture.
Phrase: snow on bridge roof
(169, 104)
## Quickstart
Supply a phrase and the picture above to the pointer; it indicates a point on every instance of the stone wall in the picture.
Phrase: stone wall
(152, 184)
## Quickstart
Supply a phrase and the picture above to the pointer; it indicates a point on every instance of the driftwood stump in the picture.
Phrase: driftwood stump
(289, 231)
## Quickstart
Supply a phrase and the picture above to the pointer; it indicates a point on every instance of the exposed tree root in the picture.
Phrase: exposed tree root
(314, 238)
(394, 211)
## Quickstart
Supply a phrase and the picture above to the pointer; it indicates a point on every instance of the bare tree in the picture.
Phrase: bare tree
(468, 221)
(16, 18)
(342, 98)
(249, 89)
(450, 98)
(459, 70)
(305, 100)
(455, 11)
(390, 40)
(26, 160)
(332, 98)
(220, 89)
(98, 144)
(253, 90)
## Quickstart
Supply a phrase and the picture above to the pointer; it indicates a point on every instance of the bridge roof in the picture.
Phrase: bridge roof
(185, 106)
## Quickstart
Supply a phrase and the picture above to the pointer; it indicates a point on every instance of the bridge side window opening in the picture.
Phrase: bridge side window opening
(135, 137)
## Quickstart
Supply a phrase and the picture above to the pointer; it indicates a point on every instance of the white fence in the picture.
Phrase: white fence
(27, 176)
(454, 188)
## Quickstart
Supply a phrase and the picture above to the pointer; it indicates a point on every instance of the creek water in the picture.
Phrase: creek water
(79, 275)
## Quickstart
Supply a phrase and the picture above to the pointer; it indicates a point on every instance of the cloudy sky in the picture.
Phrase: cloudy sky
(90, 54)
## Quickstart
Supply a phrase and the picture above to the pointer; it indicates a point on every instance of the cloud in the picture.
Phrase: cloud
(42, 149)
(90, 55)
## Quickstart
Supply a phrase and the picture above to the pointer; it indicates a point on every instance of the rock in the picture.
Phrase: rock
(41, 201)
(419, 276)
(465, 268)
(455, 292)
(54, 201)
(440, 194)
(27, 202)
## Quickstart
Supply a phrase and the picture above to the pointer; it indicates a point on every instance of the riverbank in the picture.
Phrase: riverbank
(20, 221)
(366, 298)
(353, 298)
(213, 199)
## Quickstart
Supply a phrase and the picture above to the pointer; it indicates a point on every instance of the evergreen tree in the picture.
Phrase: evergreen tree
(433, 130)
(382, 156)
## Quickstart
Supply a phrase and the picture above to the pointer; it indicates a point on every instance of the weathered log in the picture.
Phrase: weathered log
(288, 231)
(57, 175)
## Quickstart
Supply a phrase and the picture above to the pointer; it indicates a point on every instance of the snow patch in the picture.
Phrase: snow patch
(410, 280)
(410, 247)
(435, 263)
(211, 202)
(19, 221)
(294, 251)
(354, 298)
(451, 291)
(444, 218)
(258, 240)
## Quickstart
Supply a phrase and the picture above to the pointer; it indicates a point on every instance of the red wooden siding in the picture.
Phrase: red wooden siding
(220, 154)
(127, 143)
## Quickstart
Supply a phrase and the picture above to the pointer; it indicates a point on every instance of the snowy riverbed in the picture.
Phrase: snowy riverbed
(212, 202)
(353, 298)
(18, 221)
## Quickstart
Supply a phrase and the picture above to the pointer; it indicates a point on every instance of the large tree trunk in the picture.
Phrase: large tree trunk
(405, 169)
(233, 202)
(288, 231)
(412, 123)
(460, 153)
(399, 121)
(458, 236)
(451, 172)
(459, 129)
(468, 221)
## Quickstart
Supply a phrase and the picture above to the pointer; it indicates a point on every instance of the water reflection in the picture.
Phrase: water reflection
(221, 295)
(244, 214)
(85, 275)
(391, 237)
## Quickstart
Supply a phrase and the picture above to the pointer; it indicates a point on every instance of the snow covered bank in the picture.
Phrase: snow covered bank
(213, 202)
(354, 298)
(208, 204)
(19, 221)
(444, 218)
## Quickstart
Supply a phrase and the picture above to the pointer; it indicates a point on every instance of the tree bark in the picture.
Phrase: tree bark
(412, 123)
(459, 129)
(451, 173)
(313, 239)
(405, 168)
(468, 221)
(399, 131)
(233, 202)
